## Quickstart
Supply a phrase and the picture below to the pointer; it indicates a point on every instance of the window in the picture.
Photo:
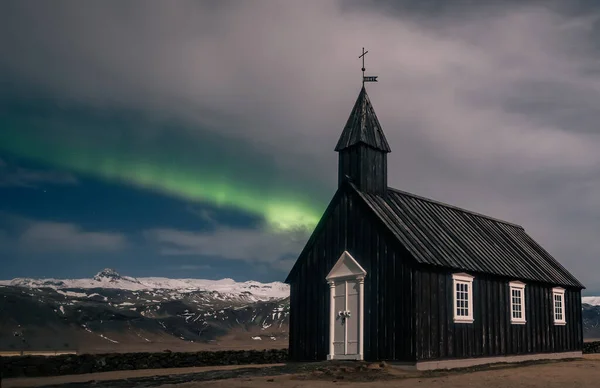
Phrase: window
(517, 303)
(558, 296)
(463, 297)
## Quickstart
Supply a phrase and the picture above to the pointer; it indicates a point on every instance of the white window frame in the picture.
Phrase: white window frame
(463, 278)
(556, 292)
(519, 287)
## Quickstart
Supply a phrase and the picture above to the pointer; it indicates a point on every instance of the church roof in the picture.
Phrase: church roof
(363, 126)
(447, 236)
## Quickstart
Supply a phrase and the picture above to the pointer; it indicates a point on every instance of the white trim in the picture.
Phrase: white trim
(466, 279)
(346, 268)
(331, 315)
(361, 316)
(520, 287)
(555, 292)
(345, 325)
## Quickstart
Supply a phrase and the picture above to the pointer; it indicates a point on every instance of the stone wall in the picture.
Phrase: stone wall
(591, 347)
(31, 366)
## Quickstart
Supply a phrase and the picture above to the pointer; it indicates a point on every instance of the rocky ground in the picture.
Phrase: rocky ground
(580, 373)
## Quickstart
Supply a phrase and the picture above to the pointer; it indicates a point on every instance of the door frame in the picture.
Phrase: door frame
(346, 268)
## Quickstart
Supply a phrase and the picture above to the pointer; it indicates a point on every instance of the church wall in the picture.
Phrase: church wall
(388, 298)
(491, 333)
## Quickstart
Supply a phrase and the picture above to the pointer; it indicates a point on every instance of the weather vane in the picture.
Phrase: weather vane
(372, 78)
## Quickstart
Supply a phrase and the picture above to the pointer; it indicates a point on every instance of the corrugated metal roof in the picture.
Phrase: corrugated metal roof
(443, 235)
(363, 126)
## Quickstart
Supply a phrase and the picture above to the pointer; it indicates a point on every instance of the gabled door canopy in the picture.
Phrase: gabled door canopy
(346, 267)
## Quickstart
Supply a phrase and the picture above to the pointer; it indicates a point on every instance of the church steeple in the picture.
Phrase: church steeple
(363, 149)
(363, 126)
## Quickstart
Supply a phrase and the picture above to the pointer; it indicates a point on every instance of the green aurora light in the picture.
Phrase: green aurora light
(172, 164)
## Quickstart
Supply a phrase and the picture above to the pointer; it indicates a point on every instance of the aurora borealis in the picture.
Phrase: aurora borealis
(198, 199)
(210, 169)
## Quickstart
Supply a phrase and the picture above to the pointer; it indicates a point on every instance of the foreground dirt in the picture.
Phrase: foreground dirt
(558, 374)
(125, 378)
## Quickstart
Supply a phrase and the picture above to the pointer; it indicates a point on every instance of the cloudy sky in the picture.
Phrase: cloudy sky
(195, 138)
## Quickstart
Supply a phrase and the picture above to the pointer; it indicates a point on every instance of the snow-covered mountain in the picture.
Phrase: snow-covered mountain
(591, 316)
(591, 300)
(109, 278)
(110, 310)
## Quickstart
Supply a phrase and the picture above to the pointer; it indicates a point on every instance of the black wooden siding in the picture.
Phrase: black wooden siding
(388, 331)
(408, 306)
(366, 166)
(491, 333)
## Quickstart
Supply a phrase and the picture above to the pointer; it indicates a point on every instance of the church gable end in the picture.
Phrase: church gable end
(350, 226)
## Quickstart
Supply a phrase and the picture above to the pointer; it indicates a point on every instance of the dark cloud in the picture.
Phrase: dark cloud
(487, 105)
(259, 246)
(35, 236)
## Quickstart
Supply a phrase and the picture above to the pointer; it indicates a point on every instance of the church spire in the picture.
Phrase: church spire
(362, 146)
(363, 126)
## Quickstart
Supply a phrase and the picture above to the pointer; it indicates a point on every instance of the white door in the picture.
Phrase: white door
(347, 314)
(346, 309)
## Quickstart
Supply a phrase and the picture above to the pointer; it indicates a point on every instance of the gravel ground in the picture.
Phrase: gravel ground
(580, 373)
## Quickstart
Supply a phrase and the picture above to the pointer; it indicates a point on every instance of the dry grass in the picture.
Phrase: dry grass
(235, 340)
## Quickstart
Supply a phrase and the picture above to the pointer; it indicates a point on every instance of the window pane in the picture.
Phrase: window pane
(462, 299)
(517, 303)
(558, 307)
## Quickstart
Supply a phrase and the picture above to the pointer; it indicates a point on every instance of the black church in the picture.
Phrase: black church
(389, 275)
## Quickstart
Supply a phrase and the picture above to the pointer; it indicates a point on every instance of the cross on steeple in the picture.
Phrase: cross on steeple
(363, 60)
(368, 78)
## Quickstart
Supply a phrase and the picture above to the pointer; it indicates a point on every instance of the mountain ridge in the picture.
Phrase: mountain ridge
(112, 312)
(109, 278)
